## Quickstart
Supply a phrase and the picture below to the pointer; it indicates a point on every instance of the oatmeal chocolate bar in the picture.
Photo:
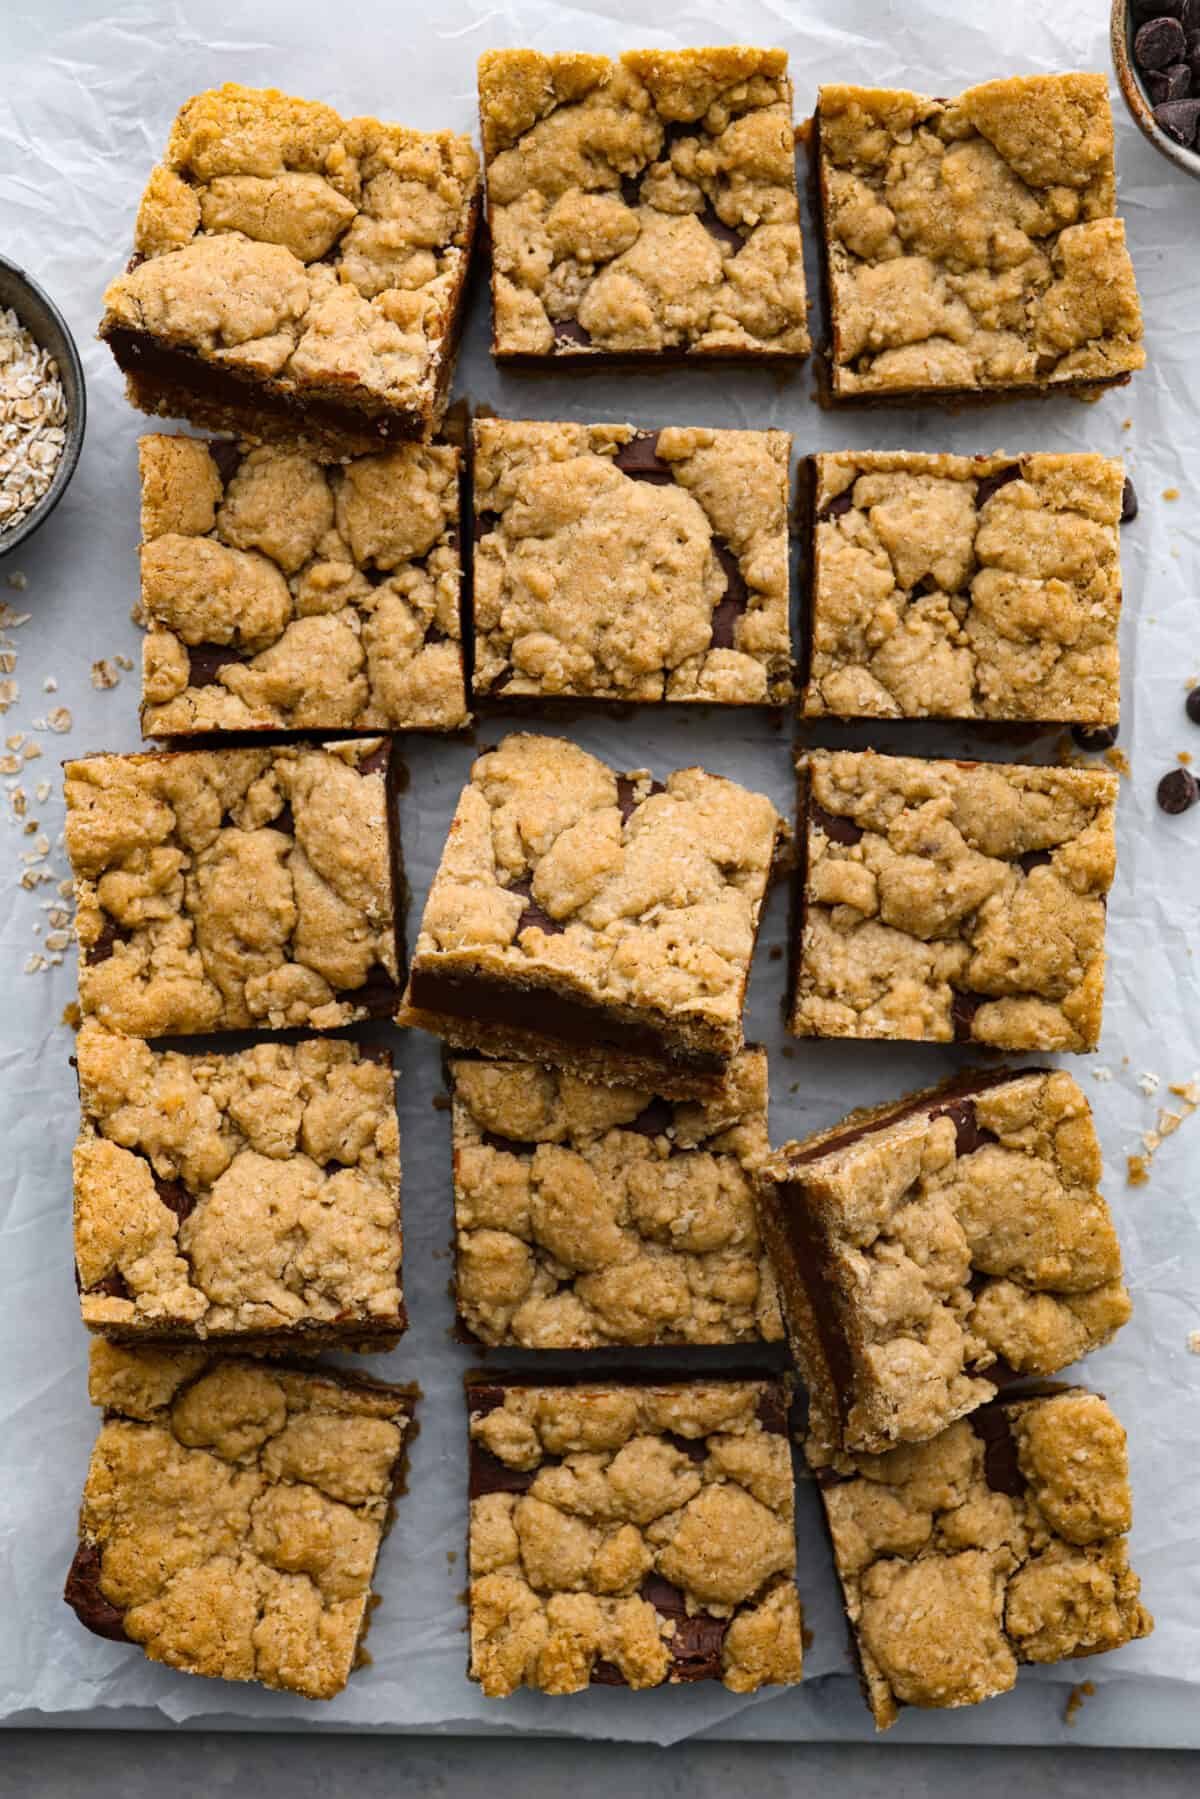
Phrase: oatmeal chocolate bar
(631, 1534)
(282, 594)
(1001, 1541)
(234, 1511)
(644, 208)
(965, 587)
(953, 901)
(971, 245)
(220, 889)
(929, 1250)
(297, 275)
(618, 564)
(250, 1200)
(589, 1215)
(600, 922)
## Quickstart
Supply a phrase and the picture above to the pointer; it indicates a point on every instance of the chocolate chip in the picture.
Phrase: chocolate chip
(175, 1197)
(206, 660)
(1033, 859)
(1174, 83)
(992, 484)
(1186, 11)
(1192, 705)
(627, 795)
(1159, 43)
(838, 507)
(838, 830)
(639, 458)
(1094, 737)
(963, 1007)
(1177, 791)
(1158, 9)
(570, 331)
(82, 1593)
(1129, 502)
(718, 229)
(1179, 119)
(227, 455)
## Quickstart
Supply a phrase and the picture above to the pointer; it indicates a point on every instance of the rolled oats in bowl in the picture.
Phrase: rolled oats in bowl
(33, 421)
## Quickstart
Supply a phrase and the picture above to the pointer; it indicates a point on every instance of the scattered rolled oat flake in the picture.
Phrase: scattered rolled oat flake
(1194, 1342)
(104, 674)
(60, 719)
(18, 580)
(9, 691)
(49, 685)
(1149, 1083)
(33, 418)
(1102, 1074)
(124, 662)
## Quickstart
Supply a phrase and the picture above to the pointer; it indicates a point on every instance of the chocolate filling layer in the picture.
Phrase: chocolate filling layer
(941, 1099)
(82, 1593)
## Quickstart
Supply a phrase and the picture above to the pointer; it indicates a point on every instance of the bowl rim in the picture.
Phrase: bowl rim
(1120, 24)
(76, 425)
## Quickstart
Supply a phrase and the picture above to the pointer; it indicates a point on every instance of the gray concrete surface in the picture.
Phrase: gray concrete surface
(141, 1765)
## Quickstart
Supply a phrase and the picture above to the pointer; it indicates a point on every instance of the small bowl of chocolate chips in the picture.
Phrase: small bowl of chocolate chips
(1156, 53)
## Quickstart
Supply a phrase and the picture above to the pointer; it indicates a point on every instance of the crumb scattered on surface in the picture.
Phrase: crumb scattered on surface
(1170, 493)
(1193, 1342)
(1102, 1074)
(1075, 1700)
(1137, 1171)
(105, 674)
(1119, 760)
(60, 719)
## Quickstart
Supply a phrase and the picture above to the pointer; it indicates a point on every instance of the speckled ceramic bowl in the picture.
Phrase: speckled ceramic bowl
(1123, 29)
(41, 317)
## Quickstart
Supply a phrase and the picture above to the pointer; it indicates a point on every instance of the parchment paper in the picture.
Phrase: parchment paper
(86, 100)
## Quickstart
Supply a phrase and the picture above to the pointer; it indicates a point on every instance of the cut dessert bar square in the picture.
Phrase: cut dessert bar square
(965, 587)
(250, 1200)
(589, 1215)
(234, 1512)
(1001, 1541)
(929, 1250)
(953, 901)
(971, 245)
(283, 594)
(297, 275)
(219, 889)
(619, 564)
(644, 207)
(600, 922)
(631, 1533)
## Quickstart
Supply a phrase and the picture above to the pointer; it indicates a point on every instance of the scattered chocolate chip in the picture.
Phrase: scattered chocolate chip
(1192, 705)
(969, 1134)
(1129, 502)
(570, 331)
(82, 1593)
(1177, 791)
(639, 458)
(838, 507)
(1186, 11)
(206, 660)
(1179, 119)
(175, 1197)
(1033, 859)
(227, 455)
(992, 484)
(1157, 9)
(1094, 737)
(628, 795)
(1159, 43)
(718, 229)
(838, 830)
(963, 1007)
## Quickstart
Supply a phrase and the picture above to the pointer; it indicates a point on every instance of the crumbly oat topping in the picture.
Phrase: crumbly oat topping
(218, 889)
(324, 256)
(987, 1547)
(966, 587)
(561, 876)
(234, 1511)
(971, 243)
(644, 205)
(254, 1194)
(955, 901)
(939, 1249)
(287, 594)
(33, 418)
(618, 564)
(621, 1533)
(589, 1215)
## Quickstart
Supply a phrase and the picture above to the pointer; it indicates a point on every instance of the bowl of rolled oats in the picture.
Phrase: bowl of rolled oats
(43, 406)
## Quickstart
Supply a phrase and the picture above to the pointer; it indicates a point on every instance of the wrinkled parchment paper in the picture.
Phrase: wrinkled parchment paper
(86, 101)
